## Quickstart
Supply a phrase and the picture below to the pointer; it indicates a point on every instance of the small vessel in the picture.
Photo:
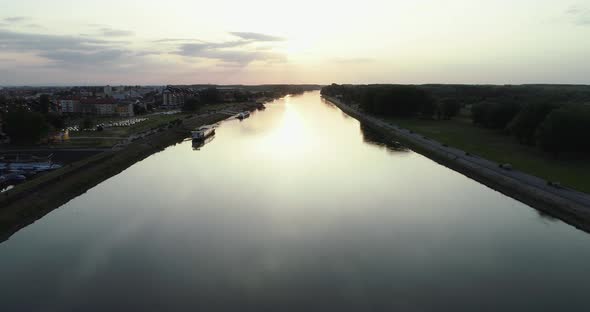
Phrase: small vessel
(260, 106)
(243, 115)
(12, 178)
(198, 144)
(29, 166)
(203, 132)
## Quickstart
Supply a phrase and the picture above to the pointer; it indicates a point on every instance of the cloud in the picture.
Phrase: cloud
(67, 51)
(231, 53)
(33, 25)
(25, 42)
(110, 32)
(579, 15)
(75, 58)
(15, 19)
(250, 36)
(356, 60)
(166, 40)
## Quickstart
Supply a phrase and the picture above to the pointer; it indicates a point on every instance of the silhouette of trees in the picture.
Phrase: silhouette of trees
(24, 127)
(566, 129)
(191, 104)
(449, 108)
(525, 123)
(494, 115)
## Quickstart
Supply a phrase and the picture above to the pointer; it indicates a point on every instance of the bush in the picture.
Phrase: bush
(566, 129)
(449, 108)
(191, 104)
(494, 115)
(87, 123)
(525, 124)
(25, 127)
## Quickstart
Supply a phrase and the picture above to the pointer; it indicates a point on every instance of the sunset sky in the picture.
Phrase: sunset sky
(262, 41)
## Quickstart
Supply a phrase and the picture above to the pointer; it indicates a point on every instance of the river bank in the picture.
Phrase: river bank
(568, 205)
(32, 200)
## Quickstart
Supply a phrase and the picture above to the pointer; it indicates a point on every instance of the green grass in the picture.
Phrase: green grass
(494, 145)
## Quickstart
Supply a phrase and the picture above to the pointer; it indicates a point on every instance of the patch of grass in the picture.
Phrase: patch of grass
(496, 146)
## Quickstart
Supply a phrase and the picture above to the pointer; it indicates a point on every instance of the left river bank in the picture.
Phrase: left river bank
(32, 200)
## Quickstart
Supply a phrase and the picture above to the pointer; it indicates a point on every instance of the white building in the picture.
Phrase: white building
(108, 90)
(69, 105)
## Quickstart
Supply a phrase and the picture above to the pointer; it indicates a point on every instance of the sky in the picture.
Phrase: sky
(114, 42)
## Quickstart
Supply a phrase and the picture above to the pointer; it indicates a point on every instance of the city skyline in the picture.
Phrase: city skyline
(262, 42)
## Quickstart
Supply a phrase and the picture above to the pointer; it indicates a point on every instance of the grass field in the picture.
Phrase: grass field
(494, 145)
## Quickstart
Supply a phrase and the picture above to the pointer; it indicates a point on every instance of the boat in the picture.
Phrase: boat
(260, 106)
(29, 166)
(24, 158)
(12, 178)
(203, 132)
(198, 144)
(243, 115)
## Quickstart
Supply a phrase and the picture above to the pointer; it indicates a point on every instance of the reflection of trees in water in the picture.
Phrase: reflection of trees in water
(374, 138)
(546, 216)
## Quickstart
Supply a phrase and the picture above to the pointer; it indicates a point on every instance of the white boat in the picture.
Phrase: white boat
(243, 115)
(30, 166)
(203, 132)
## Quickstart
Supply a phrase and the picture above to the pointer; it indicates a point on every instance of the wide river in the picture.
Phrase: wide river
(295, 209)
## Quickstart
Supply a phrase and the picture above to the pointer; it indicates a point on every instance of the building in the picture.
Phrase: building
(172, 98)
(99, 106)
(125, 110)
(108, 90)
(69, 105)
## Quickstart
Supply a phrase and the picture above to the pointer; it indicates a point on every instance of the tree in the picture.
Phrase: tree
(56, 121)
(87, 123)
(25, 127)
(449, 108)
(525, 124)
(44, 103)
(191, 104)
(209, 95)
(566, 130)
(138, 109)
(494, 115)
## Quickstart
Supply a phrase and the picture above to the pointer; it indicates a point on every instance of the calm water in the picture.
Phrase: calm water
(292, 209)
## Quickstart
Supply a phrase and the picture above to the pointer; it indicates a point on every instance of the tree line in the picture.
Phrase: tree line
(555, 118)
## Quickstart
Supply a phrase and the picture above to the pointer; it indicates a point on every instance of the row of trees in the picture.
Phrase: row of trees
(555, 118)
(395, 100)
(27, 127)
(556, 128)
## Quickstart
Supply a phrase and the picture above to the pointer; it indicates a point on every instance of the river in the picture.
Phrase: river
(295, 208)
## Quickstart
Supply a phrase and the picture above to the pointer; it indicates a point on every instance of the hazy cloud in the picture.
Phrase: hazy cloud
(33, 25)
(166, 40)
(110, 32)
(580, 15)
(69, 58)
(220, 51)
(24, 42)
(65, 51)
(15, 19)
(256, 36)
(232, 53)
(356, 60)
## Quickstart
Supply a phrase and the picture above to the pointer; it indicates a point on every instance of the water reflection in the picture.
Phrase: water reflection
(198, 144)
(372, 137)
(292, 209)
